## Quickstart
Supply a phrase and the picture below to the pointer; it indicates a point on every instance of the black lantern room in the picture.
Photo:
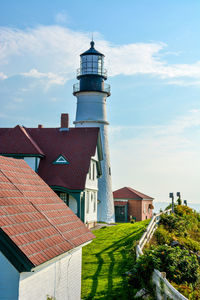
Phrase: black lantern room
(91, 74)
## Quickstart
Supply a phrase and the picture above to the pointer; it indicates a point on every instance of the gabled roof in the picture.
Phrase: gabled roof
(36, 225)
(129, 193)
(18, 141)
(78, 145)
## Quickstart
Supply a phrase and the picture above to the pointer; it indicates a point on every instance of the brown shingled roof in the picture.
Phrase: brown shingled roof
(17, 140)
(34, 218)
(129, 193)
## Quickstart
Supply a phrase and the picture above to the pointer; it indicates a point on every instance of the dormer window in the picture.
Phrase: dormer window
(61, 160)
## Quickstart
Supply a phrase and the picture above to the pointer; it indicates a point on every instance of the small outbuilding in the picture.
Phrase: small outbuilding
(131, 204)
(41, 238)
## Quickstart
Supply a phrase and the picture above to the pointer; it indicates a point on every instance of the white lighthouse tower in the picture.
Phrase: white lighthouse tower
(92, 92)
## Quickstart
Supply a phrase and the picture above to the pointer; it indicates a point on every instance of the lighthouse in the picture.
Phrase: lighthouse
(91, 92)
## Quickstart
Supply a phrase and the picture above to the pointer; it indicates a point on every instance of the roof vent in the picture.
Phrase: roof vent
(40, 126)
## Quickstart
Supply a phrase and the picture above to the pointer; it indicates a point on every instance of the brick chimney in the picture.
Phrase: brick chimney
(40, 126)
(64, 121)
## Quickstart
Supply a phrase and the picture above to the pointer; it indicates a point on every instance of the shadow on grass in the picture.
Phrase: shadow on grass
(114, 292)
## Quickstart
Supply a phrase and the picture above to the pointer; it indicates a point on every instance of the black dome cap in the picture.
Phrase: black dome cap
(92, 51)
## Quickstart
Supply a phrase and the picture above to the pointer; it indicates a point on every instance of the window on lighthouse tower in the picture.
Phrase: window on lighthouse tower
(91, 64)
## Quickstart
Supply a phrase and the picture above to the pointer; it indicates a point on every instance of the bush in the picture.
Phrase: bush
(163, 236)
(169, 221)
(190, 244)
(179, 265)
(182, 210)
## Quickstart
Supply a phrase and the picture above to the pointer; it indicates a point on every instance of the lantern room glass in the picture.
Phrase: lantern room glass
(91, 64)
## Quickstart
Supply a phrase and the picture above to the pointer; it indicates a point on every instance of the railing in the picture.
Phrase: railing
(104, 88)
(165, 288)
(92, 71)
(147, 235)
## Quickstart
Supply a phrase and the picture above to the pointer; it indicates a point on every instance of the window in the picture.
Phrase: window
(61, 160)
(93, 170)
(91, 198)
(65, 198)
(95, 200)
(88, 202)
(109, 170)
(90, 172)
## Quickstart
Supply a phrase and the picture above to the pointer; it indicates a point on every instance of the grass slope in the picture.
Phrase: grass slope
(106, 260)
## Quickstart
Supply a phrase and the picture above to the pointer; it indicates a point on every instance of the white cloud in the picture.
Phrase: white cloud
(160, 159)
(56, 49)
(61, 17)
(50, 77)
(3, 76)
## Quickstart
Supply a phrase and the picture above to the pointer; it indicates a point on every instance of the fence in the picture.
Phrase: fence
(164, 290)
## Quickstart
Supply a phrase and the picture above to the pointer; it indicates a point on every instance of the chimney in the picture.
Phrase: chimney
(64, 121)
(40, 126)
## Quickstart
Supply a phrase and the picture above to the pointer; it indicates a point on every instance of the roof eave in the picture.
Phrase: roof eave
(17, 258)
(14, 155)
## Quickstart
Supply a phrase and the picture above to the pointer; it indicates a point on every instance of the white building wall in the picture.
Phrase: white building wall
(60, 279)
(90, 206)
(92, 179)
(91, 192)
(9, 280)
(91, 112)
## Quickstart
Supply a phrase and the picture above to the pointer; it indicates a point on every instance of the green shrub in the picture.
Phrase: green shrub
(188, 290)
(163, 236)
(169, 221)
(182, 210)
(189, 244)
(179, 265)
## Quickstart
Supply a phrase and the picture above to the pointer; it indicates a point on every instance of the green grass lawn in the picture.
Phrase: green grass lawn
(106, 260)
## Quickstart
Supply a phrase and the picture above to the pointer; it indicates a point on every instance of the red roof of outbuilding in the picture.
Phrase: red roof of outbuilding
(78, 145)
(37, 221)
(129, 193)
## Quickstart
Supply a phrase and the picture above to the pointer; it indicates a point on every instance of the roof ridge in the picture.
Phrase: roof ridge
(12, 182)
(138, 193)
(23, 129)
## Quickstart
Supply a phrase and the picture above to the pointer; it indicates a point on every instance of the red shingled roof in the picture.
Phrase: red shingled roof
(37, 221)
(129, 193)
(78, 145)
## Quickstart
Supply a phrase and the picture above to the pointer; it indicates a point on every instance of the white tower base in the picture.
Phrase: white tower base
(91, 112)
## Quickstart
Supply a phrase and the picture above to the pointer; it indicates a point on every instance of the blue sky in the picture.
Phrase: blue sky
(152, 56)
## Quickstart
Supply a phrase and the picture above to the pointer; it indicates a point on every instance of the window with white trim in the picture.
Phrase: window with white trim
(93, 170)
(88, 202)
(95, 201)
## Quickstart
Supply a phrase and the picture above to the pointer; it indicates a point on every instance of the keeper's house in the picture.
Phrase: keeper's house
(41, 238)
(67, 159)
(131, 204)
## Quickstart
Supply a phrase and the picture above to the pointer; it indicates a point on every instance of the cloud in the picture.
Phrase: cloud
(3, 76)
(160, 159)
(56, 49)
(62, 17)
(50, 77)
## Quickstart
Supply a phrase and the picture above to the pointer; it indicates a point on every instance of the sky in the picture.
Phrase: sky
(152, 54)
